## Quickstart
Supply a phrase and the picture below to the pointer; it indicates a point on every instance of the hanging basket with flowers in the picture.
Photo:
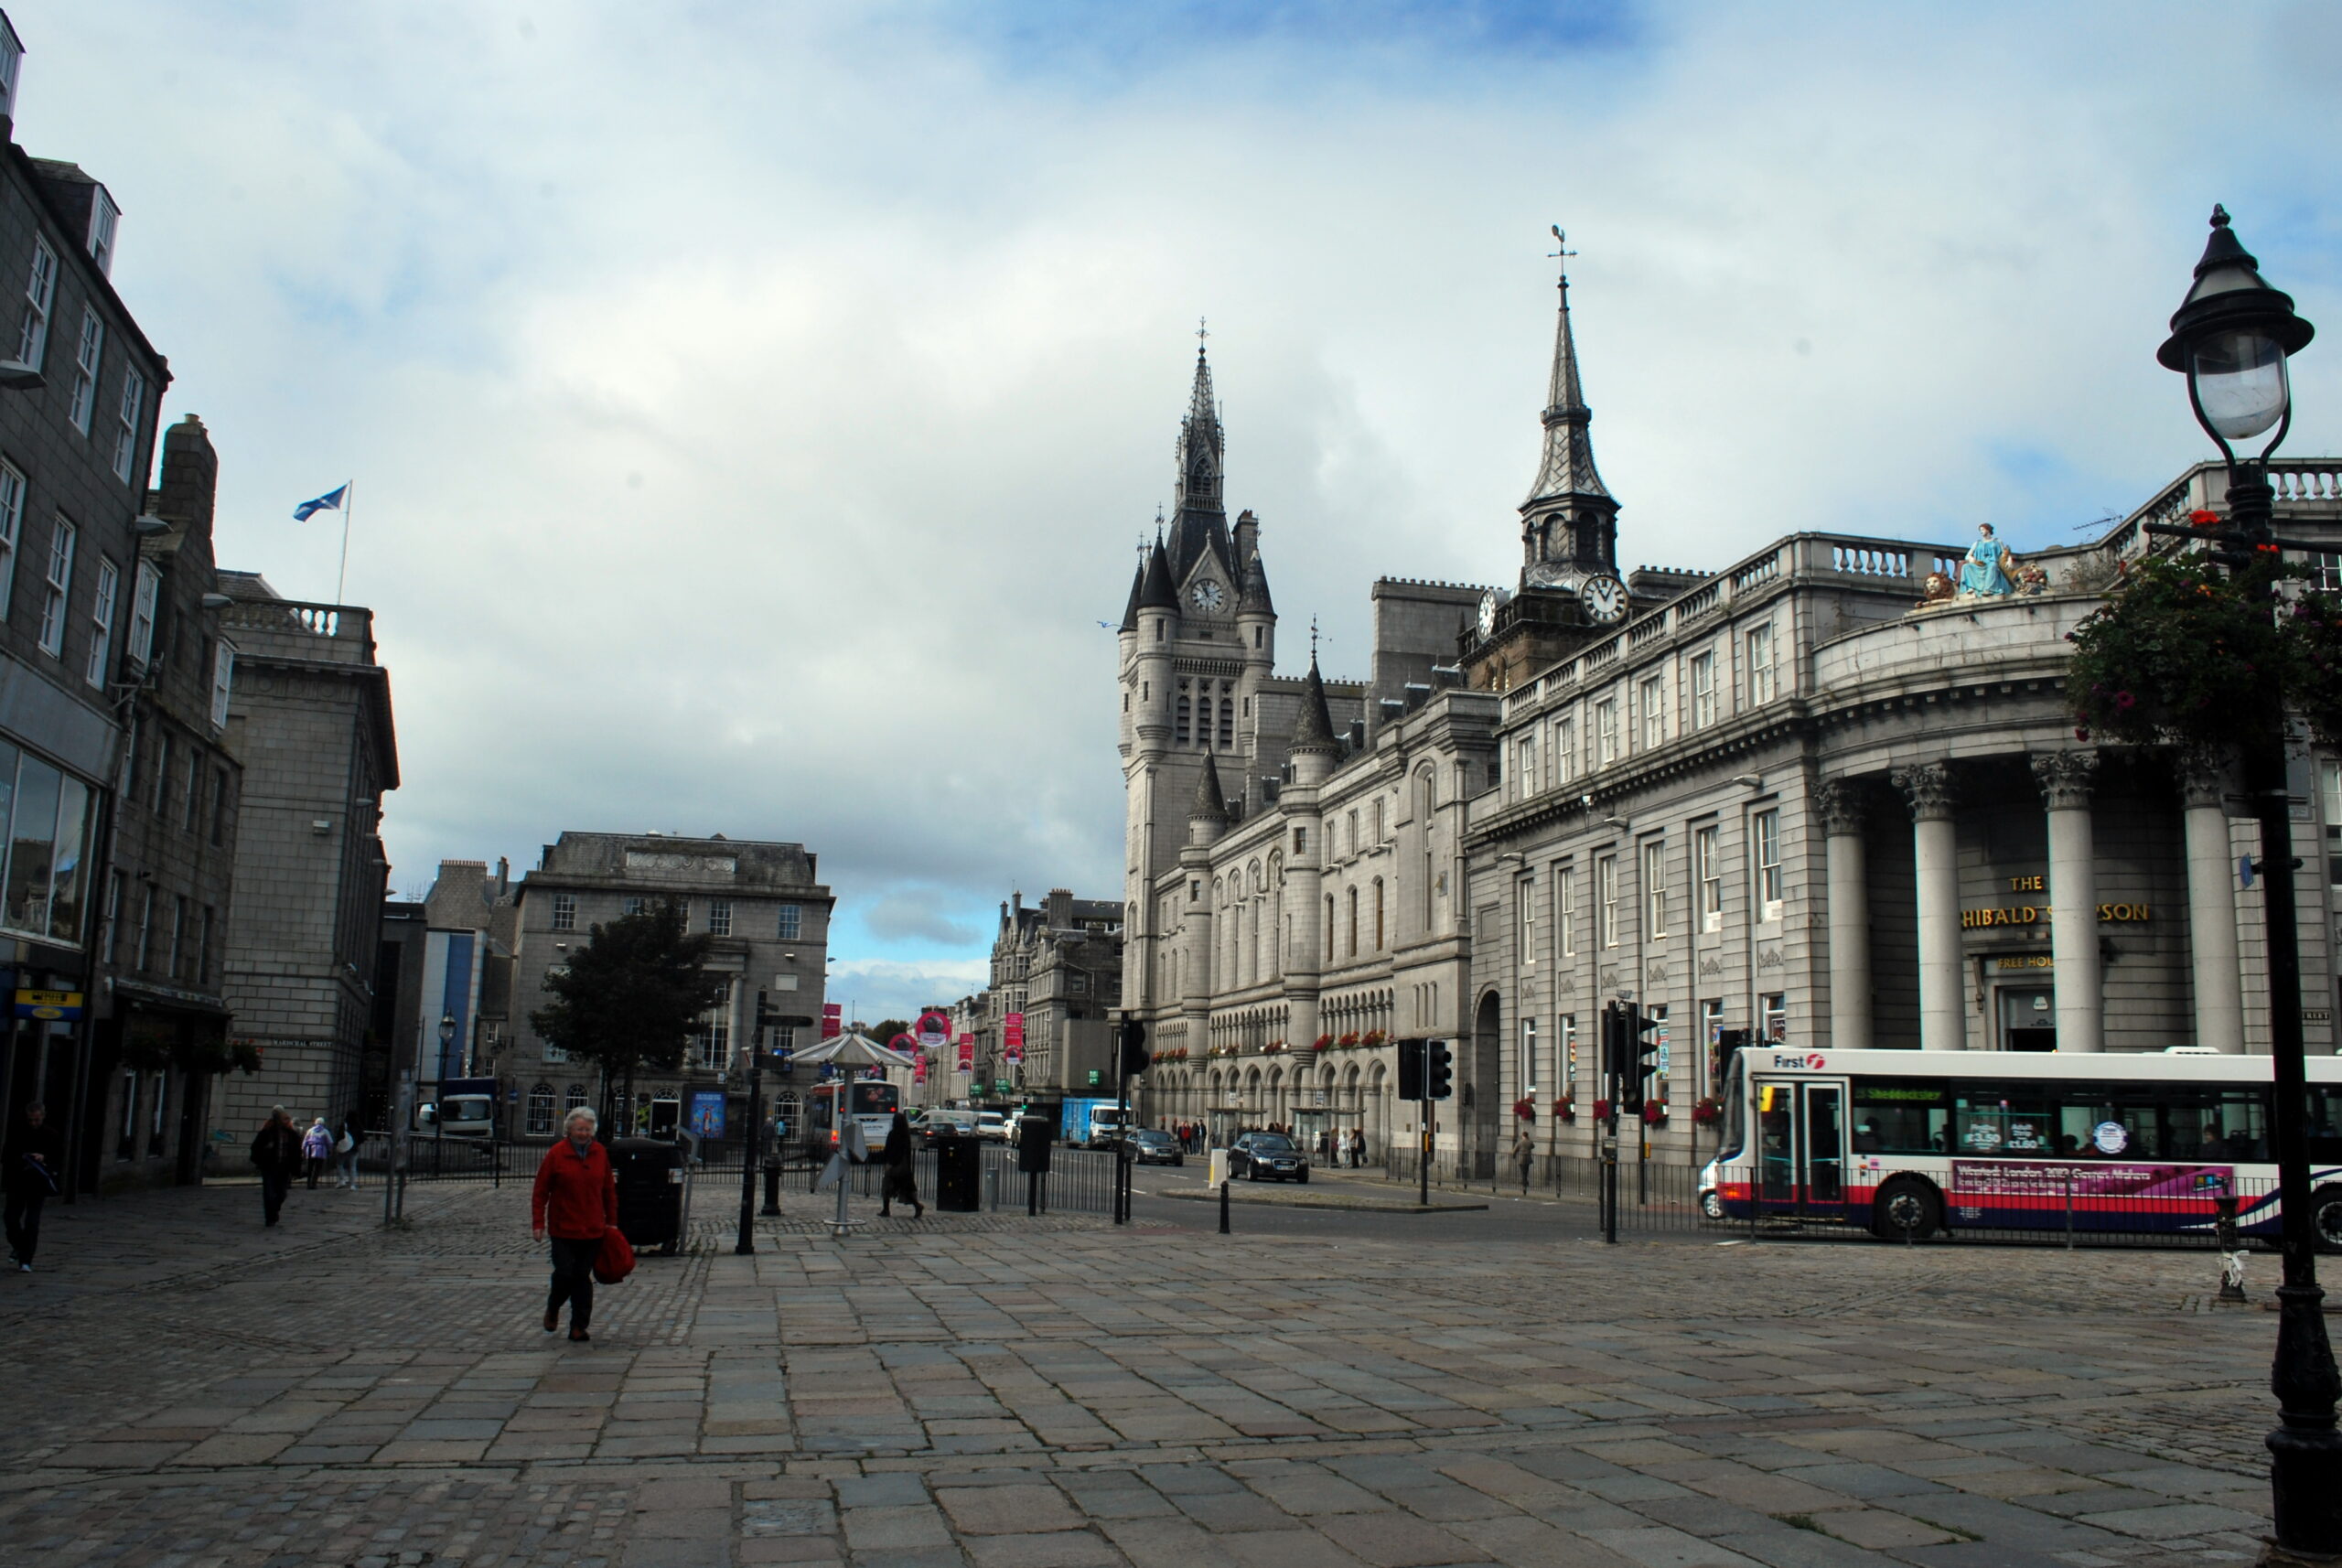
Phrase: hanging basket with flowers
(1602, 1111)
(1373, 1037)
(1565, 1108)
(1654, 1112)
(1349, 1041)
(1322, 1042)
(1525, 1110)
(1707, 1112)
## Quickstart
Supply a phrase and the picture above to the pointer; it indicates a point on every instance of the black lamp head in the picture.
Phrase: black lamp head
(2231, 337)
(2228, 293)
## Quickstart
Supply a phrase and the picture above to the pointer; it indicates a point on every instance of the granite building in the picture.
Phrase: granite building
(78, 386)
(309, 717)
(1059, 966)
(761, 904)
(160, 1011)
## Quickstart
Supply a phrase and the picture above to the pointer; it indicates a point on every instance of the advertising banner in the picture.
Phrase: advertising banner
(934, 1031)
(904, 1044)
(2046, 1180)
(705, 1116)
(919, 1068)
(1012, 1036)
(967, 1053)
(833, 1020)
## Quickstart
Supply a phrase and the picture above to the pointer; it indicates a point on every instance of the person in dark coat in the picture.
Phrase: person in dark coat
(901, 1184)
(575, 1200)
(276, 1154)
(34, 1159)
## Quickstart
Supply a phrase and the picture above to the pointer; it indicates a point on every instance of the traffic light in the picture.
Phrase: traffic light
(1638, 1055)
(1439, 1077)
(1411, 1070)
(1136, 1057)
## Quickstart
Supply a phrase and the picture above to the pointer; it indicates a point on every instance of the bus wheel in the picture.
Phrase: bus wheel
(1906, 1209)
(2325, 1217)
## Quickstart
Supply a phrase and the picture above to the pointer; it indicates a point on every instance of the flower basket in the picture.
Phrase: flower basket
(1654, 1113)
(1348, 1041)
(1373, 1037)
(1602, 1111)
(1707, 1112)
(1565, 1108)
(1322, 1042)
(1272, 1047)
(1526, 1110)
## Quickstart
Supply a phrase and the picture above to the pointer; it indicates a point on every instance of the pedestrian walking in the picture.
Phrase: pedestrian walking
(345, 1149)
(1358, 1147)
(276, 1154)
(575, 1200)
(1524, 1152)
(901, 1182)
(35, 1161)
(317, 1148)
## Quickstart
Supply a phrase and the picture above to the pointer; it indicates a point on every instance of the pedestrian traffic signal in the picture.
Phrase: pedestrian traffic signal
(1639, 1039)
(1411, 1070)
(1439, 1077)
(1136, 1057)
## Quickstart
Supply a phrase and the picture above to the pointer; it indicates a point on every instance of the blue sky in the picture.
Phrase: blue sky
(754, 407)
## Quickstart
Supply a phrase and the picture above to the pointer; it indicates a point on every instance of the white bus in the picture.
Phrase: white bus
(1905, 1144)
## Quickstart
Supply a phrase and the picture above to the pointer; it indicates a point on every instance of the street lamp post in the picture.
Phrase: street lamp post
(2231, 337)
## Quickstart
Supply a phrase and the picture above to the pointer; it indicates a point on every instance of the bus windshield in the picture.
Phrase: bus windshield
(873, 1098)
(1736, 1111)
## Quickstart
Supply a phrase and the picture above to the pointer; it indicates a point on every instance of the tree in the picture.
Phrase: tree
(886, 1029)
(630, 998)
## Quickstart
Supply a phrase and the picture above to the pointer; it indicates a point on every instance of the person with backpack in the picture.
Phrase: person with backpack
(317, 1148)
(276, 1154)
(34, 1158)
(575, 1202)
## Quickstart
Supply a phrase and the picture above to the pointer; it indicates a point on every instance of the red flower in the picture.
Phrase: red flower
(2201, 519)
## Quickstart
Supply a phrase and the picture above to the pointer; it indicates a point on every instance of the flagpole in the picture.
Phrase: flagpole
(348, 505)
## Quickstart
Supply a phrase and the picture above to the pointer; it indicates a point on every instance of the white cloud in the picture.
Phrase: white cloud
(753, 411)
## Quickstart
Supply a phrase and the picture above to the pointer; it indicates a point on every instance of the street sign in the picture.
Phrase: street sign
(51, 1006)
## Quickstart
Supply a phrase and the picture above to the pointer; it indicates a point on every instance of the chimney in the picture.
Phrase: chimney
(190, 478)
(1060, 908)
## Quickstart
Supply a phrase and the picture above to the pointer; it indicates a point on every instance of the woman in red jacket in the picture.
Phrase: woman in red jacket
(576, 1199)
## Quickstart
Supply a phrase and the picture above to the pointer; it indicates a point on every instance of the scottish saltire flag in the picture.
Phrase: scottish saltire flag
(329, 501)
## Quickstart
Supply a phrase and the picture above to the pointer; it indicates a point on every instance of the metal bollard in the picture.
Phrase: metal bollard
(772, 1187)
(2231, 1255)
(1223, 1209)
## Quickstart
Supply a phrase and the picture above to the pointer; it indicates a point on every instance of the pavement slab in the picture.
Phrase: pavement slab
(1063, 1393)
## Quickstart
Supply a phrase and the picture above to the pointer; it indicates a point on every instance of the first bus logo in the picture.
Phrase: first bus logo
(1811, 1060)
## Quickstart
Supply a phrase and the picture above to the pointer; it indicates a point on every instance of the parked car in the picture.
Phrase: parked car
(934, 1124)
(1267, 1155)
(1149, 1147)
(993, 1125)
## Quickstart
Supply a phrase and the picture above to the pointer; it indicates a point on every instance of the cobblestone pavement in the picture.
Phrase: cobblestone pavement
(191, 1389)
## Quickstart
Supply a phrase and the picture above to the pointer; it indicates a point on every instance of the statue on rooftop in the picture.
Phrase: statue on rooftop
(1986, 574)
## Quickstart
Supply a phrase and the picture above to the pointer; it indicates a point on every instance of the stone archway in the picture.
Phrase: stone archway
(1479, 1091)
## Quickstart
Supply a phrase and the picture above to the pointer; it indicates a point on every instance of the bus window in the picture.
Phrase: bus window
(2008, 1121)
(1736, 1112)
(2324, 1123)
(1900, 1116)
(874, 1098)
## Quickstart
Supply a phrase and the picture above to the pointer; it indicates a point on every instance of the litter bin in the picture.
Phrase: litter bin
(957, 1188)
(652, 1192)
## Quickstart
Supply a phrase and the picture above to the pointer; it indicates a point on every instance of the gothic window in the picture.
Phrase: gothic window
(1329, 927)
(1179, 733)
(1353, 912)
(1378, 915)
(1227, 717)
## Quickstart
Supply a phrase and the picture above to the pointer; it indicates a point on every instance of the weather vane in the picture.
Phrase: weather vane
(1200, 334)
(1312, 640)
(1561, 252)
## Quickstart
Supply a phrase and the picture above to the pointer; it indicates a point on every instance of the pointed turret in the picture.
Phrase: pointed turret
(1570, 520)
(1155, 592)
(1210, 804)
(1314, 731)
(1254, 597)
(1130, 610)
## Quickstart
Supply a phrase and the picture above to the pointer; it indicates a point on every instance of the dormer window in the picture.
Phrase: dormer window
(103, 215)
(12, 54)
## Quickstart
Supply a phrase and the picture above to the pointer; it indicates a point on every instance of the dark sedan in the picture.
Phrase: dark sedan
(1149, 1147)
(1270, 1156)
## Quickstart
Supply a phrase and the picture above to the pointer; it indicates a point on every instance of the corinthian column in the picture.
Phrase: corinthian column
(2211, 902)
(1842, 804)
(1935, 847)
(2065, 777)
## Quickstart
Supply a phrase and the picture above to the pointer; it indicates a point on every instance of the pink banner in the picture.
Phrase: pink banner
(2047, 1180)
(833, 1020)
(1012, 1036)
(967, 1053)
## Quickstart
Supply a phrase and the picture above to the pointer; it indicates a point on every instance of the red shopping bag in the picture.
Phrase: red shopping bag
(615, 1260)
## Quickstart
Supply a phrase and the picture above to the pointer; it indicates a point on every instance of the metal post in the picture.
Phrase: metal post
(745, 1245)
(2070, 1208)
(1223, 1209)
(1422, 1156)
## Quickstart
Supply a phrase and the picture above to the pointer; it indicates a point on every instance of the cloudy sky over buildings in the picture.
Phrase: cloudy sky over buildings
(754, 408)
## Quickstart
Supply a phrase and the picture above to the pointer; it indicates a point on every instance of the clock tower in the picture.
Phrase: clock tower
(1198, 641)
(1569, 589)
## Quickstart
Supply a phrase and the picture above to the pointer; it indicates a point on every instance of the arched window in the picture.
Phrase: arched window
(1378, 914)
(576, 1098)
(1353, 912)
(540, 1112)
(1329, 927)
(1184, 718)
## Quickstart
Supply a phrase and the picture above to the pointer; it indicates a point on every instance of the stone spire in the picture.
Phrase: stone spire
(1570, 522)
(1199, 522)
(1255, 594)
(1210, 804)
(1130, 610)
(1568, 468)
(1314, 732)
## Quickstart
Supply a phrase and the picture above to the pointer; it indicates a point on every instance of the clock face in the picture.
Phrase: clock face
(1488, 605)
(1604, 599)
(1206, 596)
